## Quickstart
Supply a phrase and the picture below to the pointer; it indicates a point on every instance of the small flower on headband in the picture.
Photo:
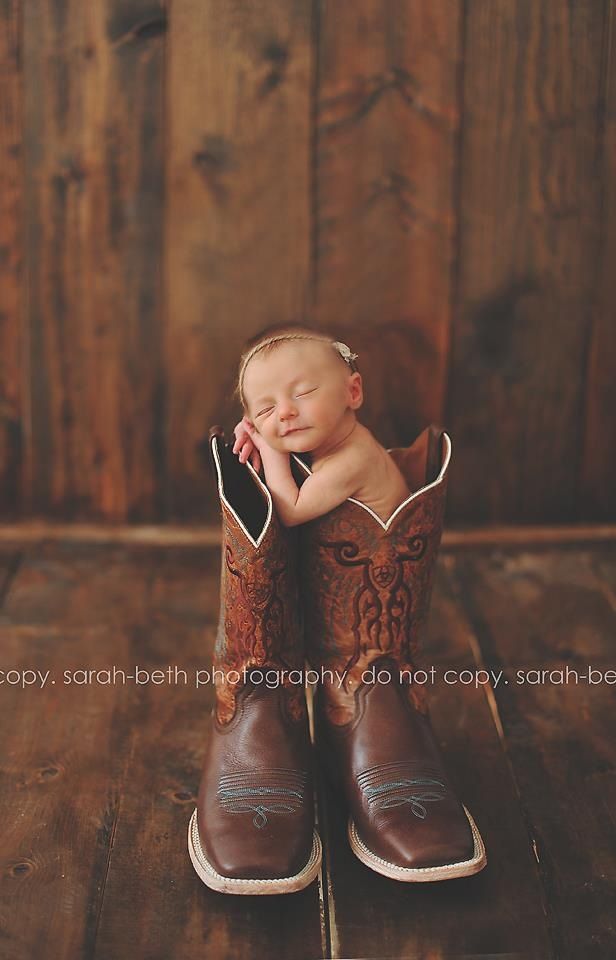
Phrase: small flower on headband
(344, 351)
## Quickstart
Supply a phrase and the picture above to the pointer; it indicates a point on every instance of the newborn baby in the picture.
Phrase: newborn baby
(300, 391)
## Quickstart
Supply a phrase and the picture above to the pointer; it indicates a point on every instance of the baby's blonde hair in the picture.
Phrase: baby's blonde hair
(269, 339)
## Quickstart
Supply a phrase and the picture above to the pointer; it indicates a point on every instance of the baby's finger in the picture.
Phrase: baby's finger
(246, 450)
(256, 460)
(241, 437)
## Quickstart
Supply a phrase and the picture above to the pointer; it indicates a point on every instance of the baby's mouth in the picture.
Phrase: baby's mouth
(295, 430)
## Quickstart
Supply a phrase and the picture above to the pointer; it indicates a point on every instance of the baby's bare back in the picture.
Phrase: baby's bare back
(381, 485)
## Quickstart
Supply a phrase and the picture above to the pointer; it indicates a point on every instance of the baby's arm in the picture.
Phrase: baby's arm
(319, 493)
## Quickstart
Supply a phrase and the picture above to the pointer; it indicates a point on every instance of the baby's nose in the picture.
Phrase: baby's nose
(287, 410)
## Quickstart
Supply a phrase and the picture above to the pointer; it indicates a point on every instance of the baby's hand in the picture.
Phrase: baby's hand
(247, 443)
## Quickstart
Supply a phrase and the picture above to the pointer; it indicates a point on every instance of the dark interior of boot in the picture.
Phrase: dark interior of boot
(299, 475)
(240, 488)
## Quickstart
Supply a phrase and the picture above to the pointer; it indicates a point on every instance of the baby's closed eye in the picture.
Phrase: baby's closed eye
(268, 410)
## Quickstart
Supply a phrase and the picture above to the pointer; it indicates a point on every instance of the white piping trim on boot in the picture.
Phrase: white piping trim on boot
(387, 523)
(221, 492)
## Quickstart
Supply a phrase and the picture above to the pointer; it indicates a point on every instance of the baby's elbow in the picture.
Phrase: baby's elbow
(287, 519)
(290, 521)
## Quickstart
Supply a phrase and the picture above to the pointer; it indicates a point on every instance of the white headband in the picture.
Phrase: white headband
(341, 348)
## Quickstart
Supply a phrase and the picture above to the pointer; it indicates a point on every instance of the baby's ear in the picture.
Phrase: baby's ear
(356, 390)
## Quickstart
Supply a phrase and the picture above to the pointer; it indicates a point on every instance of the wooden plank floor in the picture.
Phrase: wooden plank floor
(98, 781)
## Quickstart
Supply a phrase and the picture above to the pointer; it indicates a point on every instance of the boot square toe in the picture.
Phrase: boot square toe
(266, 872)
(414, 859)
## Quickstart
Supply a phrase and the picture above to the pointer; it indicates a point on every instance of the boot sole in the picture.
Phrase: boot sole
(256, 885)
(446, 871)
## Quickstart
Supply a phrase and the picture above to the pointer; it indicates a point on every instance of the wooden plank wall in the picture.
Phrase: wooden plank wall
(432, 182)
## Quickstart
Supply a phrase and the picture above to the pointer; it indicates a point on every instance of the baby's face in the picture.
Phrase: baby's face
(303, 387)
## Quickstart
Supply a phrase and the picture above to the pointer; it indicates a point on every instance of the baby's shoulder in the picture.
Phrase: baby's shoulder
(349, 457)
(356, 457)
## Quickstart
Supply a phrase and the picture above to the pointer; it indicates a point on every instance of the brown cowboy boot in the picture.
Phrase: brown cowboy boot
(367, 586)
(253, 828)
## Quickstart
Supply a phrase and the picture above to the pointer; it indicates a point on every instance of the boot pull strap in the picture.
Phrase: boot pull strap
(215, 431)
(434, 457)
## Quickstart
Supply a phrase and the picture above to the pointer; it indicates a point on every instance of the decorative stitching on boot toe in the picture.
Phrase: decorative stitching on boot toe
(274, 790)
(390, 785)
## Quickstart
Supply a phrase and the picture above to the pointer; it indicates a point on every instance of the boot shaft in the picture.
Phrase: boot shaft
(259, 630)
(368, 582)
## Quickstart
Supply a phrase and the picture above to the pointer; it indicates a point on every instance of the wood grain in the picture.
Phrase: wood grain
(529, 246)
(13, 388)
(387, 122)
(93, 129)
(237, 228)
(598, 471)
(548, 611)
(431, 182)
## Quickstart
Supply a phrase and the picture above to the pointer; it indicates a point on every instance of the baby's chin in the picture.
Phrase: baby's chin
(301, 442)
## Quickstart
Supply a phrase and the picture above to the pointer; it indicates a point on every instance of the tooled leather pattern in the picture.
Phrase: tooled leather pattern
(369, 592)
(381, 603)
(258, 624)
